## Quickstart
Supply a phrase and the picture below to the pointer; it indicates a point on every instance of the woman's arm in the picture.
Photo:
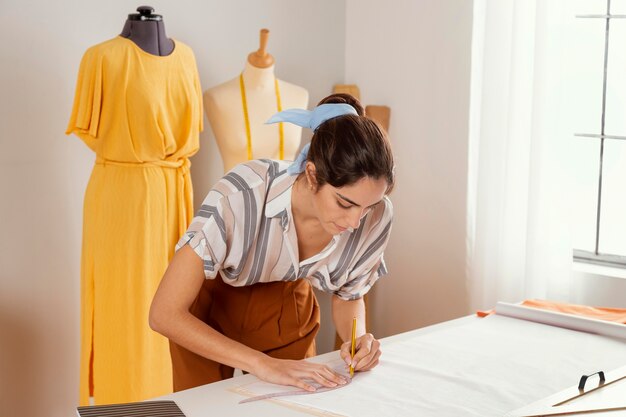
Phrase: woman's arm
(367, 347)
(170, 316)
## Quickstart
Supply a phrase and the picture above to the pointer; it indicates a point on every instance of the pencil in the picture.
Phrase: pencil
(353, 345)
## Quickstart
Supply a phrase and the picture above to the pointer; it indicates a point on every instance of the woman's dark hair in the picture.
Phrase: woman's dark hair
(348, 148)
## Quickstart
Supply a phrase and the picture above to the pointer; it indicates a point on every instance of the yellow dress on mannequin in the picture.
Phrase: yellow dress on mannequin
(141, 114)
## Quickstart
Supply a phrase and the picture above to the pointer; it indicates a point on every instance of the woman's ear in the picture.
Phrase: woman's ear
(310, 173)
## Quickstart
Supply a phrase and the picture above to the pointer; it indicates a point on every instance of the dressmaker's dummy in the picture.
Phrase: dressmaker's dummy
(138, 106)
(147, 30)
(224, 107)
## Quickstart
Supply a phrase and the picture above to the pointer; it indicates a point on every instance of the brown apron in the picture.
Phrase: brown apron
(280, 319)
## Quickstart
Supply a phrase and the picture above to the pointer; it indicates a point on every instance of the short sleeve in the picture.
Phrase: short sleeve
(85, 117)
(370, 265)
(360, 285)
(208, 235)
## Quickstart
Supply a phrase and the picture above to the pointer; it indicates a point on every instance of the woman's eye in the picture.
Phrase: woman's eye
(341, 205)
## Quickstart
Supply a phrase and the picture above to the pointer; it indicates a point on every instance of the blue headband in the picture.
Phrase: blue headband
(312, 120)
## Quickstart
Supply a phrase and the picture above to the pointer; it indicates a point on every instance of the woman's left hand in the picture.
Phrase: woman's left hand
(367, 352)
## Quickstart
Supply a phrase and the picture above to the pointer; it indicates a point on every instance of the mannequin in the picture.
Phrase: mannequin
(147, 30)
(224, 108)
(138, 106)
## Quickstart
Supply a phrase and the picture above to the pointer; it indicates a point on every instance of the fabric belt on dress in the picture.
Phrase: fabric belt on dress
(183, 188)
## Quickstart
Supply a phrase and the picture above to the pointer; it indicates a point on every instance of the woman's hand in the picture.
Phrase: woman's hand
(367, 352)
(296, 373)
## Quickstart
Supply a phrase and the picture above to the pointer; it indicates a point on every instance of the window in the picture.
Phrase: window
(600, 199)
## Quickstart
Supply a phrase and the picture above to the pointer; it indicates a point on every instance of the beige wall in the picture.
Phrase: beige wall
(414, 56)
(43, 173)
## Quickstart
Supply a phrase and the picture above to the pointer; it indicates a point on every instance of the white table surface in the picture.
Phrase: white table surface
(465, 367)
(216, 399)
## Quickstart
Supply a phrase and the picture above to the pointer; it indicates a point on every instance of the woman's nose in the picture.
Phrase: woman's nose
(355, 217)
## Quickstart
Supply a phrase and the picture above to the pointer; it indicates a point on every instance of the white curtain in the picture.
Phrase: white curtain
(519, 243)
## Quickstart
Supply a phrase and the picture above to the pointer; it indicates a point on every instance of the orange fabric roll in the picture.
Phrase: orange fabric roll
(616, 315)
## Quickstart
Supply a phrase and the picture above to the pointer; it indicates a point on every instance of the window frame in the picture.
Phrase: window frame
(596, 257)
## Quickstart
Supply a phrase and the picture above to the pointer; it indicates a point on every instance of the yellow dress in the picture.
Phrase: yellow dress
(141, 114)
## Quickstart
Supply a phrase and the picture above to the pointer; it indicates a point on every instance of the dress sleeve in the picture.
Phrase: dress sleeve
(370, 265)
(209, 232)
(85, 117)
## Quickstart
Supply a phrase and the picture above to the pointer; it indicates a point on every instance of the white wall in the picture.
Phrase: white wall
(43, 173)
(414, 56)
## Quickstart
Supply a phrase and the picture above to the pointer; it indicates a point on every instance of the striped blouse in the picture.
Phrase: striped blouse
(245, 229)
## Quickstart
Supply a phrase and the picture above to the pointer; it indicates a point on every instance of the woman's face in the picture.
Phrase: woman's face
(341, 208)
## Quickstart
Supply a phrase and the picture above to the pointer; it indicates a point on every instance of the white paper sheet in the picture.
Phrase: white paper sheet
(484, 368)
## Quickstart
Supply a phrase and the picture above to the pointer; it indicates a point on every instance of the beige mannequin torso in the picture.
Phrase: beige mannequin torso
(224, 108)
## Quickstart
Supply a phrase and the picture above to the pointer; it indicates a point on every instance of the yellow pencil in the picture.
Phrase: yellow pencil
(353, 345)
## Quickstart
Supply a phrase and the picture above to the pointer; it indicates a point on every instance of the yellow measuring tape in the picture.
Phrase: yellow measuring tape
(281, 133)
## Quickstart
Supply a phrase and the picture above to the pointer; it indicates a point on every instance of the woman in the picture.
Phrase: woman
(238, 294)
